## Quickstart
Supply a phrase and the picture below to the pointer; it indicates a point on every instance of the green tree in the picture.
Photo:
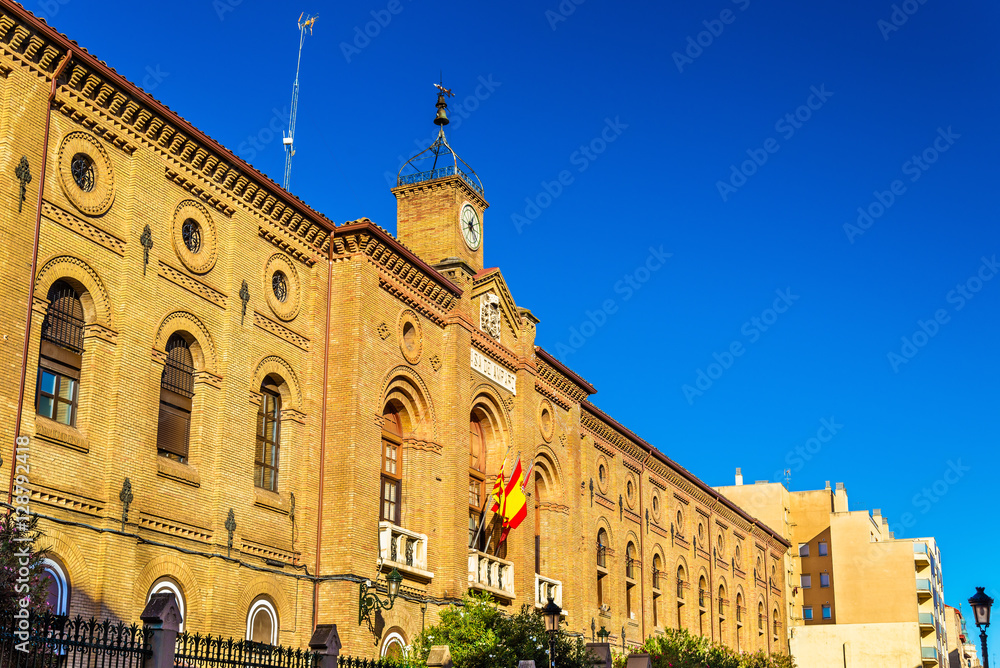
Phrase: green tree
(21, 565)
(480, 635)
(681, 649)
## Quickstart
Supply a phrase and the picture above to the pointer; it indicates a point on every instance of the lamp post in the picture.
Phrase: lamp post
(603, 634)
(369, 602)
(981, 604)
(551, 613)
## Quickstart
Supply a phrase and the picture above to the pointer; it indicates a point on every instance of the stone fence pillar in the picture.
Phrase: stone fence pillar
(162, 620)
(440, 657)
(326, 641)
(601, 653)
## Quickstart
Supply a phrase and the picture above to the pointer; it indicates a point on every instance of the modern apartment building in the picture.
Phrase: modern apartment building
(858, 595)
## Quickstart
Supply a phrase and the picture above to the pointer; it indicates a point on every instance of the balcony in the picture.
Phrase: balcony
(921, 555)
(403, 549)
(546, 587)
(926, 620)
(929, 655)
(491, 574)
(924, 589)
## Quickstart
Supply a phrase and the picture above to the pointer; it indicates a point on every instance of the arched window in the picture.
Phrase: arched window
(60, 356)
(477, 482)
(703, 595)
(176, 391)
(168, 585)
(739, 621)
(394, 648)
(761, 618)
(603, 601)
(722, 602)
(680, 596)
(775, 622)
(392, 467)
(268, 436)
(657, 566)
(630, 568)
(262, 622)
(57, 597)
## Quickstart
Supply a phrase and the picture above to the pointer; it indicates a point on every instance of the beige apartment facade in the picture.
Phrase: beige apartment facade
(857, 595)
(233, 398)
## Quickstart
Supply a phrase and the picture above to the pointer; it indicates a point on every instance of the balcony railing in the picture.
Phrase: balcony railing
(928, 653)
(630, 568)
(403, 549)
(656, 579)
(926, 618)
(701, 597)
(924, 587)
(439, 173)
(491, 574)
(602, 555)
(680, 588)
(546, 587)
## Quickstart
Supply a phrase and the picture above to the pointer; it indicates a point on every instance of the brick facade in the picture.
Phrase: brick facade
(365, 324)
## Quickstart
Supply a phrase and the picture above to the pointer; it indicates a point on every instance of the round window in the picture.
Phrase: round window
(279, 283)
(602, 475)
(656, 504)
(722, 545)
(82, 168)
(629, 489)
(680, 520)
(546, 420)
(701, 531)
(409, 335)
(191, 233)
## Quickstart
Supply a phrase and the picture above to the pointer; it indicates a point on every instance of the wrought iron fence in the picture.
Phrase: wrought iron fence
(198, 651)
(357, 662)
(55, 641)
(438, 173)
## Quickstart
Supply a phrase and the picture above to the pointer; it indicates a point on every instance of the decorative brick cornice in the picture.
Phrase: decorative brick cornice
(192, 285)
(546, 391)
(486, 345)
(280, 331)
(49, 496)
(84, 228)
(547, 369)
(200, 192)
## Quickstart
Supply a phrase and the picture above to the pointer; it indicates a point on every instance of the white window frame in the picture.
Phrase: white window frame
(805, 581)
(59, 575)
(175, 589)
(263, 604)
(393, 638)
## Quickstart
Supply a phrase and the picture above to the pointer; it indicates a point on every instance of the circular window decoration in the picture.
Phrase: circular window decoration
(193, 236)
(680, 520)
(656, 506)
(630, 491)
(603, 475)
(701, 532)
(410, 335)
(85, 173)
(546, 420)
(738, 555)
(721, 545)
(282, 287)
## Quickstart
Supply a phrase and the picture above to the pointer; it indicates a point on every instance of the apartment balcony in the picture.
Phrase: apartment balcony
(924, 589)
(921, 555)
(929, 656)
(403, 549)
(545, 588)
(491, 574)
(927, 624)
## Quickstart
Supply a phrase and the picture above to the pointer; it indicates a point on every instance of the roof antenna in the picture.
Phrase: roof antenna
(287, 141)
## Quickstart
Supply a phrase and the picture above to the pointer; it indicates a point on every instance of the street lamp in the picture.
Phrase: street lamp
(551, 612)
(369, 602)
(603, 634)
(981, 604)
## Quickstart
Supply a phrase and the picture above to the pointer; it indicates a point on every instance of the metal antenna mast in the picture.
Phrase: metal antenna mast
(287, 141)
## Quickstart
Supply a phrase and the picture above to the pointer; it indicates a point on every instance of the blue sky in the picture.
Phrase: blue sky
(669, 121)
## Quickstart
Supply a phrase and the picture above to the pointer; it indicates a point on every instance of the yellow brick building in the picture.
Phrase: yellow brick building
(231, 397)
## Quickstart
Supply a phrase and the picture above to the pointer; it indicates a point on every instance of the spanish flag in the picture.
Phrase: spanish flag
(498, 491)
(515, 503)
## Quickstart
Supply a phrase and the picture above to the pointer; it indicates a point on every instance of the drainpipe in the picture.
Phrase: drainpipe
(322, 429)
(642, 547)
(34, 266)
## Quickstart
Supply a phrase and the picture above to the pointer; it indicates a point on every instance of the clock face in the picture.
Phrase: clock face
(472, 229)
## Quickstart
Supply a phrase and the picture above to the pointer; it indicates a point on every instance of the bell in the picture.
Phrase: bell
(442, 117)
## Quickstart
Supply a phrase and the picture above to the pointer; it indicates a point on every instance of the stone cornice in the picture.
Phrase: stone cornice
(100, 99)
(558, 381)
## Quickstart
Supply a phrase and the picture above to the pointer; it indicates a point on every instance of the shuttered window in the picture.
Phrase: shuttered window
(176, 390)
(391, 480)
(268, 437)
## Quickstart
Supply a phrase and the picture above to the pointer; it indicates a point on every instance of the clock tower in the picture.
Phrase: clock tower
(440, 202)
